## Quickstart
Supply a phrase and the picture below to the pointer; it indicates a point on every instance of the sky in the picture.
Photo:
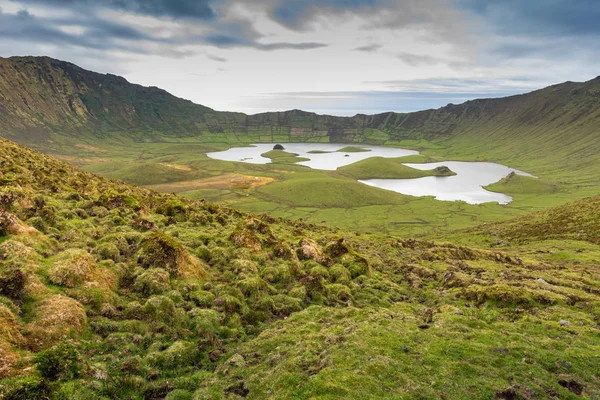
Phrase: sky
(339, 57)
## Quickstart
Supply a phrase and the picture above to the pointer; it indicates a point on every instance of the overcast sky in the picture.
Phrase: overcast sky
(339, 57)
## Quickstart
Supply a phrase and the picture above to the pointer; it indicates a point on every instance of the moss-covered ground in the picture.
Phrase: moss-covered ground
(112, 291)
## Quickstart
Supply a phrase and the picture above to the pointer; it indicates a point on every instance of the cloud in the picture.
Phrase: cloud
(290, 46)
(558, 17)
(95, 32)
(369, 48)
(482, 86)
(441, 18)
(177, 9)
(417, 60)
(362, 102)
(98, 34)
(216, 58)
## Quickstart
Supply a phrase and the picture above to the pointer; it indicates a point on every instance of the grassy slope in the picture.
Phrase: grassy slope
(385, 168)
(550, 133)
(250, 319)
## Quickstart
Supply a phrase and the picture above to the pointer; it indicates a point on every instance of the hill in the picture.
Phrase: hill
(113, 291)
(552, 130)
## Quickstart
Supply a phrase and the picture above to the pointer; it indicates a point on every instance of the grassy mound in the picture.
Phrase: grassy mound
(56, 317)
(387, 168)
(514, 184)
(352, 149)
(328, 192)
(319, 152)
(159, 250)
(283, 157)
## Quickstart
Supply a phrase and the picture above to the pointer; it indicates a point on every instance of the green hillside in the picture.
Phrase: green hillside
(145, 136)
(112, 291)
(549, 131)
(388, 168)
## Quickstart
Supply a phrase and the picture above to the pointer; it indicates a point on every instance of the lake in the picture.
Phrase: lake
(466, 185)
(326, 161)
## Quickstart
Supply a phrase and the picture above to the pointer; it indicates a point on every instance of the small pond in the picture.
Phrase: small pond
(466, 185)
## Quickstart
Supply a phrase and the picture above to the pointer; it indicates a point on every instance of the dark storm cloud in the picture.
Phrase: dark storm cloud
(194, 9)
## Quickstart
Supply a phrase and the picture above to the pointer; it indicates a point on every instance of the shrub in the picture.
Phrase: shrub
(31, 387)
(160, 308)
(162, 251)
(152, 281)
(99, 212)
(357, 268)
(338, 293)
(203, 253)
(108, 251)
(285, 305)
(12, 282)
(320, 272)
(179, 354)
(61, 361)
(202, 298)
(339, 274)
(38, 223)
(72, 268)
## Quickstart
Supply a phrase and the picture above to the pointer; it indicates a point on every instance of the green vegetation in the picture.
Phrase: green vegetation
(120, 292)
(283, 157)
(145, 136)
(387, 168)
(319, 152)
(514, 184)
(352, 149)
(113, 291)
(314, 191)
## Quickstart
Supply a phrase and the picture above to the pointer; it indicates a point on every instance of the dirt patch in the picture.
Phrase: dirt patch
(90, 148)
(227, 181)
(572, 385)
(186, 168)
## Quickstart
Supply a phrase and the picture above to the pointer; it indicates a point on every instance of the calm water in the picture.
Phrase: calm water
(466, 185)
(327, 161)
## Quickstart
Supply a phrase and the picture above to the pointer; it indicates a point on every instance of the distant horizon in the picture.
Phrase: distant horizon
(328, 56)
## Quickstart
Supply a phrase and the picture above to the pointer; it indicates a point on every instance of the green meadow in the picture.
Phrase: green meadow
(298, 192)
